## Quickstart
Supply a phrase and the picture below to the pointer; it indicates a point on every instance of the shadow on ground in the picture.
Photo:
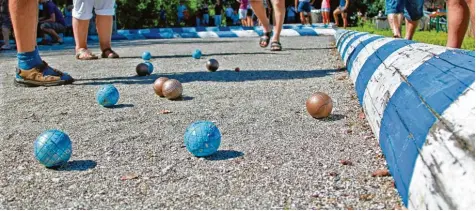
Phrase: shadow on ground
(219, 76)
(225, 155)
(78, 165)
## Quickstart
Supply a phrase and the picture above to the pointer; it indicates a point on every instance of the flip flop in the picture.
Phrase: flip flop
(85, 54)
(111, 55)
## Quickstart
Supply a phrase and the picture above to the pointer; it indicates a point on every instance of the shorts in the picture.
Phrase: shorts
(57, 27)
(325, 9)
(249, 12)
(83, 9)
(304, 6)
(5, 21)
(242, 13)
(411, 9)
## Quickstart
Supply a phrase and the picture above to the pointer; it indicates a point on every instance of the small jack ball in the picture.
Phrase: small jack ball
(151, 67)
(146, 55)
(197, 54)
(237, 69)
(107, 95)
(52, 148)
(319, 105)
(212, 65)
(202, 138)
(142, 69)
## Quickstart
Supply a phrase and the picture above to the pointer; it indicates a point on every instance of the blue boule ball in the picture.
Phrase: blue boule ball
(202, 138)
(197, 54)
(107, 95)
(53, 148)
(146, 55)
(151, 67)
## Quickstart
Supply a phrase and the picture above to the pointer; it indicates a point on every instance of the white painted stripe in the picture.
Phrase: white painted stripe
(347, 40)
(364, 54)
(245, 33)
(289, 33)
(453, 167)
(354, 45)
(207, 34)
(339, 34)
(329, 32)
(386, 79)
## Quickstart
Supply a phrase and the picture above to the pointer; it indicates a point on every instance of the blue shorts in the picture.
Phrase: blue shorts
(304, 6)
(411, 9)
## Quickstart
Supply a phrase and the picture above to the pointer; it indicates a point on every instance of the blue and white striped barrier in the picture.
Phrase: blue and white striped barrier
(420, 102)
(289, 30)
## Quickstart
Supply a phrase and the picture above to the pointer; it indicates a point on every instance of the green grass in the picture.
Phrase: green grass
(430, 37)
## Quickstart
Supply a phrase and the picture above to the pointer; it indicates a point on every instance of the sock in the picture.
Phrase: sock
(29, 60)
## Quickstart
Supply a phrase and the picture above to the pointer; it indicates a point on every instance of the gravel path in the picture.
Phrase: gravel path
(273, 154)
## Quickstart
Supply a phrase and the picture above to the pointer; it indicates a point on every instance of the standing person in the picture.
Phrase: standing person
(163, 17)
(279, 12)
(304, 9)
(411, 9)
(31, 69)
(68, 17)
(180, 12)
(53, 24)
(291, 14)
(460, 13)
(205, 14)
(198, 17)
(325, 9)
(5, 24)
(229, 15)
(342, 10)
(243, 11)
(249, 14)
(218, 11)
(82, 13)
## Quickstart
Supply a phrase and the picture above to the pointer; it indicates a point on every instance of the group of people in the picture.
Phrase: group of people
(33, 71)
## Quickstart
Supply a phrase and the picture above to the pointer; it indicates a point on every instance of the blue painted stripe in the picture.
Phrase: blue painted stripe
(404, 126)
(226, 34)
(357, 50)
(153, 36)
(373, 62)
(350, 43)
(344, 37)
(189, 35)
(440, 82)
(306, 32)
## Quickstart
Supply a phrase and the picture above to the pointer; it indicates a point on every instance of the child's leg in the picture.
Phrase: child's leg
(259, 10)
(458, 19)
(336, 16)
(82, 13)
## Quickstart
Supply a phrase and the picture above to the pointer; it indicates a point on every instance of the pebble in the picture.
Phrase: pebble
(56, 180)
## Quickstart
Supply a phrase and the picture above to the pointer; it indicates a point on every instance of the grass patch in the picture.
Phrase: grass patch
(430, 37)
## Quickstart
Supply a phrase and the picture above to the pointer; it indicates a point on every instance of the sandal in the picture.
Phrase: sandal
(265, 38)
(85, 54)
(276, 46)
(110, 55)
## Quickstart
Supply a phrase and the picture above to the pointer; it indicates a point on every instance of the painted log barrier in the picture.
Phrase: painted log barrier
(420, 102)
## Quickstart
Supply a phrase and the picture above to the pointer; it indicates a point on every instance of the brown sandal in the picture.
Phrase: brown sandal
(110, 55)
(85, 54)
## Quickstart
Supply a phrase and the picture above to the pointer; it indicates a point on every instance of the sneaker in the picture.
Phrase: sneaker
(42, 75)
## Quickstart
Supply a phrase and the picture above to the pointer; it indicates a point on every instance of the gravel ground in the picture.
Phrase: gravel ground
(273, 154)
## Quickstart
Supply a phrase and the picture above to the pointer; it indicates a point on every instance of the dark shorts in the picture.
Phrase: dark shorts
(58, 27)
(5, 21)
(411, 9)
(249, 12)
(304, 6)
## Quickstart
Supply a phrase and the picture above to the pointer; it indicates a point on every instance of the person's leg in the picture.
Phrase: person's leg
(413, 13)
(336, 15)
(49, 28)
(32, 71)
(393, 10)
(104, 11)
(82, 13)
(344, 19)
(279, 11)
(259, 10)
(458, 20)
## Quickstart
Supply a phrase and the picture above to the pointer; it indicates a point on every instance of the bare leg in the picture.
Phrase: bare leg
(458, 19)
(80, 30)
(411, 27)
(52, 33)
(24, 15)
(260, 12)
(336, 16)
(104, 28)
(394, 21)
(344, 18)
(279, 12)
